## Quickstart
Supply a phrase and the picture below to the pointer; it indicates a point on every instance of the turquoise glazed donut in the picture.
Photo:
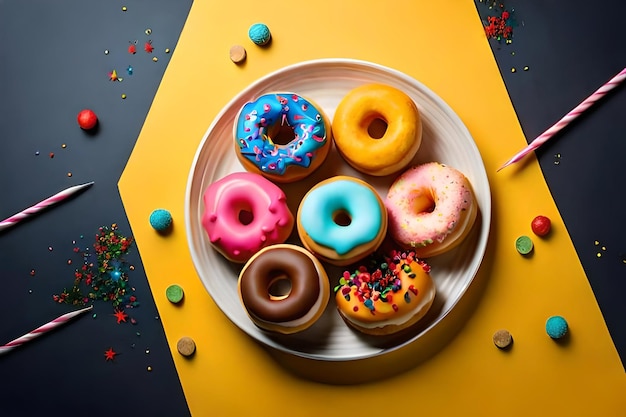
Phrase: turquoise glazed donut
(342, 220)
(259, 122)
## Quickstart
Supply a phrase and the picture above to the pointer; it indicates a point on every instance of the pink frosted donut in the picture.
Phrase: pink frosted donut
(431, 209)
(243, 213)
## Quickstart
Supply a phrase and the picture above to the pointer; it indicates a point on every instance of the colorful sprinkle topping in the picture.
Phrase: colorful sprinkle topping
(381, 281)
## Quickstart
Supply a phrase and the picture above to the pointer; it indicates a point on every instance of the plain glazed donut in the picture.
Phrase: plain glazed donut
(391, 295)
(260, 121)
(284, 288)
(431, 209)
(355, 117)
(244, 212)
(342, 220)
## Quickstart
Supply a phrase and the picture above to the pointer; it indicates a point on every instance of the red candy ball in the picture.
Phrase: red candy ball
(541, 225)
(87, 119)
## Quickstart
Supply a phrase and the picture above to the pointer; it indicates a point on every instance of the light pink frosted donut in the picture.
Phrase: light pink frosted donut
(243, 213)
(431, 209)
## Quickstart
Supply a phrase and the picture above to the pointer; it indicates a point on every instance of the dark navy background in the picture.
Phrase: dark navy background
(571, 49)
(53, 64)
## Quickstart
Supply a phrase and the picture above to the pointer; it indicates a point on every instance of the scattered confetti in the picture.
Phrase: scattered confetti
(148, 31)
(132, 49)
(259, 34)
(526, 68)
(104, 278)
(148, 47)
(541, 225)
(167, 50)
(87, 118)
(123, 96)
(557, 158)
(37, 153)
(155, 59)
(32, 272)
(513, 70)
(124, 8)
(149, 369)
(524, 245)
(186, 346)
(129, 70)
(51, 154)
(109, 354)
(556, 327)
(120, 316)
(106, 52)
(64, 146)
(113, 75)
(502, 339)
(500, 27)
(602, 248)
(174, 293)
(160, 220)
(237, 54)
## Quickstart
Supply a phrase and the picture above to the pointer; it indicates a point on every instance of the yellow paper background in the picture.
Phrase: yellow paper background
(442, 45)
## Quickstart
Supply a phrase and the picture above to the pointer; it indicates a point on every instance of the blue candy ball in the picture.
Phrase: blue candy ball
(556, 327)
(160, 219)
(259, 34)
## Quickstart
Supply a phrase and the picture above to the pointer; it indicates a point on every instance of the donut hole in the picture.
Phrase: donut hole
(282, 135)
(342, 218)
(279, 287)
(245, 217)
(377, 128)
(423, 203)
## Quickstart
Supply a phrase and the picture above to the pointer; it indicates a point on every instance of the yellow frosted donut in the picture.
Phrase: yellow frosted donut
(431, 209)
(361, 116)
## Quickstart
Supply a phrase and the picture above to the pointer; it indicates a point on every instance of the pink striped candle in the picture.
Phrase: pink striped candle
(59, 321)
(568, 118)
(58, 197)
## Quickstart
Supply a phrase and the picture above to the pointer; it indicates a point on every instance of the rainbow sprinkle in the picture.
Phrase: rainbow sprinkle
(380, 281)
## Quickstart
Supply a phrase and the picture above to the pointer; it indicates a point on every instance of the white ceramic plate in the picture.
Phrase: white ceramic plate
(445, 139)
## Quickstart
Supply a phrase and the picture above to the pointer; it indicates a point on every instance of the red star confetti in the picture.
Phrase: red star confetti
(148, 47)
(109, 354)
(132, 49)
(113, 76)
(120, 316)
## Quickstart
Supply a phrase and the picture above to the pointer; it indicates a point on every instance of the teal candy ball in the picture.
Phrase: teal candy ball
(556, 327)
(259, 34)
(160, 219)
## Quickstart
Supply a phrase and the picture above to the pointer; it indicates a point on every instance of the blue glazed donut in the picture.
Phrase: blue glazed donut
(342, 220)
(259, 120)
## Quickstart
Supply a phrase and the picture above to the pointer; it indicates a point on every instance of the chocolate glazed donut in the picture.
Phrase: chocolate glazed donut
(283, 288)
